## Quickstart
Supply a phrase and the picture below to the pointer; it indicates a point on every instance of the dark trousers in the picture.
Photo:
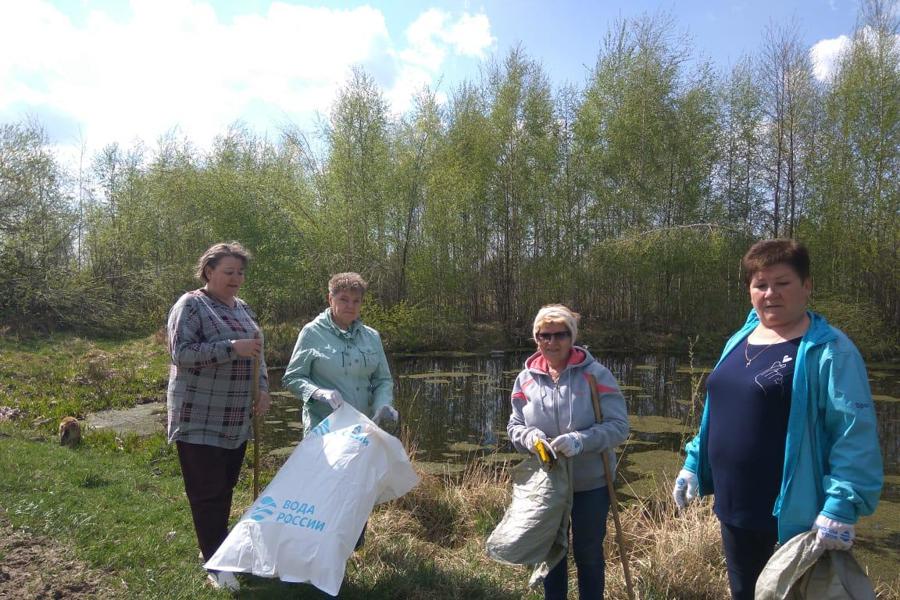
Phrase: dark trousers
(210, 474)
(746, 553)
(589, 511)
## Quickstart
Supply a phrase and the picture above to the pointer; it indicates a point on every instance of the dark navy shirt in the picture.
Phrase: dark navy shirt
(748, 415)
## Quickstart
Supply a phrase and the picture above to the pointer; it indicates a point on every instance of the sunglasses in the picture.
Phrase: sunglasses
(556, 335)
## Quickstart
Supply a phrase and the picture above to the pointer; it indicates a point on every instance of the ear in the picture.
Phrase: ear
(807, 285)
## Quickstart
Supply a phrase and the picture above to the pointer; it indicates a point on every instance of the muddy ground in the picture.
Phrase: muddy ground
(37, 568)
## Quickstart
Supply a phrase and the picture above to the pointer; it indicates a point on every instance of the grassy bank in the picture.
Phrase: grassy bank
(49, 378)
(122, 514)
(109, 518)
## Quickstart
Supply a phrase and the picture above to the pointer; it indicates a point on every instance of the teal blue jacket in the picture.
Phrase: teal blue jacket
(351, 362)
(832, 461)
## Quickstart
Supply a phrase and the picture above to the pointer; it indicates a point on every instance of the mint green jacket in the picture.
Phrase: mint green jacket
(832, 461)
(351, 362)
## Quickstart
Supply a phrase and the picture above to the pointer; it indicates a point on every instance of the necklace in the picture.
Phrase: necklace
(750, 359)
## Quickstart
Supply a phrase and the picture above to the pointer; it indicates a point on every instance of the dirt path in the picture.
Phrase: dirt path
(39, 568)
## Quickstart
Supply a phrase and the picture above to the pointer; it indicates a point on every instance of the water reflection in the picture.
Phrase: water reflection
(453, 407)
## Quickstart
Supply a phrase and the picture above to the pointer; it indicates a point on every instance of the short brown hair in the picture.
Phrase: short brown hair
(217, 252)
(347, 282)
(766, 253)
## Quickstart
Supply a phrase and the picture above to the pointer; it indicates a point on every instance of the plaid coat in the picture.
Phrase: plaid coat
(209, 399)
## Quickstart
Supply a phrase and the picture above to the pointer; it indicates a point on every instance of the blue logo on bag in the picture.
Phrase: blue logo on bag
(300, 514)
(265, 508)
(359, 434)
(322, 428)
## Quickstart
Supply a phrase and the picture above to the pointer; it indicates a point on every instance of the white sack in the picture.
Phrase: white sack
(305, 523)
(534, 529)
(803, 570)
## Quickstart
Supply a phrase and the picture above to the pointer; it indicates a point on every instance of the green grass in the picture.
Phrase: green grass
(115, 509)
(120, 509)
(62, 375)
(123, 512)
(116, 503)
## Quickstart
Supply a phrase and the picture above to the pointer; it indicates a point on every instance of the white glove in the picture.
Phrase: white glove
(686, 488)
(534, 435)
(569, 444)
(833, 535)
(332, 397)
(386, 412)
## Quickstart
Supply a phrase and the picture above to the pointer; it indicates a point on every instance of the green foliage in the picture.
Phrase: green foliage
(862, 323)
(631, 196)
(110, 508)
(279, 340)
(407, 327)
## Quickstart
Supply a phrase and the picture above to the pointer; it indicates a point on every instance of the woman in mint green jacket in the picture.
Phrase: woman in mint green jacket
(788, 439)
(337, 359)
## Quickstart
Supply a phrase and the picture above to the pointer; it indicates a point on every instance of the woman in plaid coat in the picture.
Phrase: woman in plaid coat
(213, 338)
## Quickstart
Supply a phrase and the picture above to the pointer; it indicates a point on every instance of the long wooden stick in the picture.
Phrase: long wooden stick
(613, 501)
(254, 394)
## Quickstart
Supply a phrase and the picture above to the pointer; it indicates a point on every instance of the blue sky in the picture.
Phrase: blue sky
(95, 72)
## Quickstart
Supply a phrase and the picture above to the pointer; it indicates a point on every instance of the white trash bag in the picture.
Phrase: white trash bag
(305, 523)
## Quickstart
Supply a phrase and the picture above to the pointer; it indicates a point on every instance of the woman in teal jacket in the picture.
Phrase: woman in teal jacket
(788, 437)
(337, 359)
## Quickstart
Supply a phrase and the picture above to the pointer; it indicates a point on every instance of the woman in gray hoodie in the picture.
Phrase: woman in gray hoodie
(551, 403)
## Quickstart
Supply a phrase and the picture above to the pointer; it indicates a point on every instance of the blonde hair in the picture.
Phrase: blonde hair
(556, 313)
(217, 252)
(347, 282)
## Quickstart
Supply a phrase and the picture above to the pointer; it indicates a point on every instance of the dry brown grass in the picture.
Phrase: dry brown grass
(445, 521)
(671, 555)
(437, 533)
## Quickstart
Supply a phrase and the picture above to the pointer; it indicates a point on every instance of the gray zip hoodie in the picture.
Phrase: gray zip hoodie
(560, 407)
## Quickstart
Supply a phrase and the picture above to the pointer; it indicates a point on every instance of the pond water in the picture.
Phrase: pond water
(454, 410)
(454, 407)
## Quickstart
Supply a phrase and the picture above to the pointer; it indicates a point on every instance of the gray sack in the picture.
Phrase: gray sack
(800, 570)
(535, 528)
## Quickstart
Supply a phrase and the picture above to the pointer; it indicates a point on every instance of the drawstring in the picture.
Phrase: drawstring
(571, 400)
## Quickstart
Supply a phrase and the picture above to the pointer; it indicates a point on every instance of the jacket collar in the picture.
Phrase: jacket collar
(330, 324)
(819, 330)
(577, 357)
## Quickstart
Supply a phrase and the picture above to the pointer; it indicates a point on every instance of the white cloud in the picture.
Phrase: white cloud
(825, 54)
(175, 63)
(471, 35)
(430, 38)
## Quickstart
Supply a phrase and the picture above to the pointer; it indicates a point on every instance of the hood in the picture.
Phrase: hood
(578, 357)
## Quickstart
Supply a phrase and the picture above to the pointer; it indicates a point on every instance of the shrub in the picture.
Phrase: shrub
(862, 322)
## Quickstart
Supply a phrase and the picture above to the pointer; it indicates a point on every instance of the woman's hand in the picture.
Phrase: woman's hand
(263, 404)
(533, 436)
(332, 397)
(833, 535)
(569, 444)
(686, 488)
(247, 348)
(386, 413)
